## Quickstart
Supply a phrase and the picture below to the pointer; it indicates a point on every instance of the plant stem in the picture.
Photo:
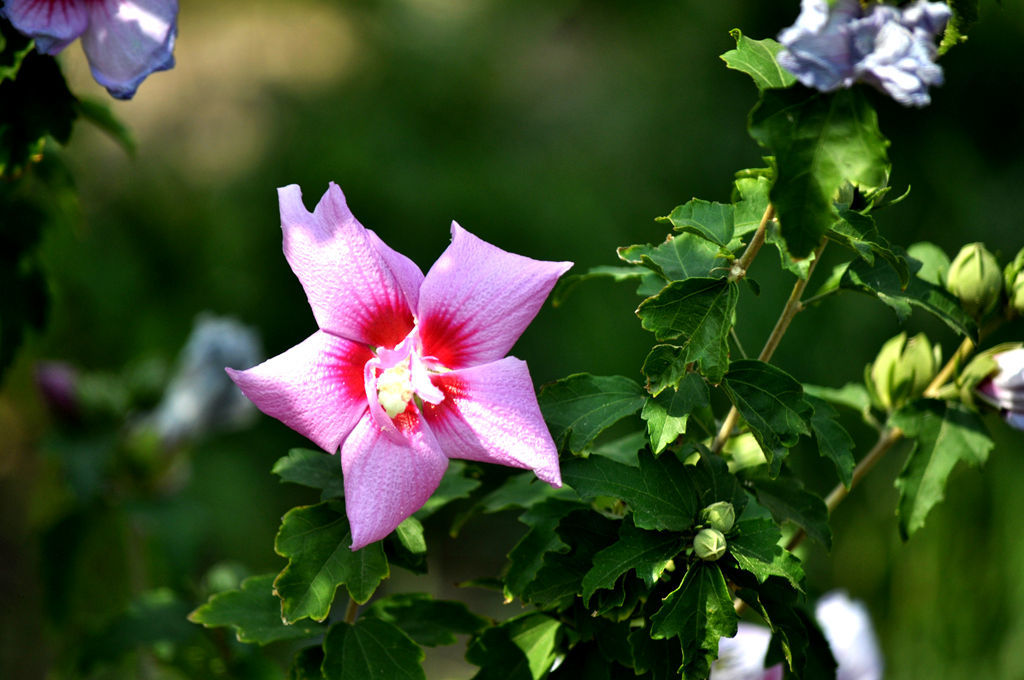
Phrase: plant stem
(739, 268)
(351, 611)
(793, 306)
(962, 352)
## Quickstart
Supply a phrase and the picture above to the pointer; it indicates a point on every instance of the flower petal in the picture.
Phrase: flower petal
(388, 480)
(477, 300)
(490, 414)
(126, 41)
(53, 24)
(316, 388)
(357, 289)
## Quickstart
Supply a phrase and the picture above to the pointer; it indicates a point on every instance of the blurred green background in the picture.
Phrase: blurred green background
(558, 129)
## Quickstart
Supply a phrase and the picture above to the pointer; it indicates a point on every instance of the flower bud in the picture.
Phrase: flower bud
(975, 278)
(1004, 389)
(1013, 280)
(903, 369)
(709, 544)
(720, 516)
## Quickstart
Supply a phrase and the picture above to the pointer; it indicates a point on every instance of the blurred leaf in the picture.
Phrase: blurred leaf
(965, 13)
(882, 281)
(699, 612)
(788, 500)
(454, 485)
(410, 535)
(756, 549)
(306, 664)
(13, 48)
(527, 556)
(522, 490)
(680, 257)
(315, 469)
(581, 406)
(834, 442)
(655, 659)
(666, 414)
(24, 304)
(699, 312)
(523, 648)
(818, 141)
(661, 493)
(99, 114)
(943, 434)
(772, 402)
(852, 395)
(646, 552)
(756, 58)
(934, 262)
(316, 540)
(427, 621)
(710, 221)
(371, 648)
(254, 612)
(567, 284)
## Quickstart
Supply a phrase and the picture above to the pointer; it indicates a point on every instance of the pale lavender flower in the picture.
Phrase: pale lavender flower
(200, 399)
(124, 40)
(406, 370)
(891, 49)
(846, 626)
(1005, 389)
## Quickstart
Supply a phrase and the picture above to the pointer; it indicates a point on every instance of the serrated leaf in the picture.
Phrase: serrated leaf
(965, 13)
(756, 58)
(771, 401)
(371, 648)
(427, 621)
(581, 406)
(787, 500)
(943, 435)
(756, 549)
(306, 664)
(254, 612)
(697, 314)
(646, 552)
(655, 659)
(316, 540)
(818, 141)
(559, 581)
(664, 367)
(523, 648)
(527, 556)
(699, 612)
(882, 281)
(315, 469)
(710, 221)
(13, 48)
(567, 284)
(667, 413)
(834, 442)
(682, 256)
(859, 233)
(661, 492)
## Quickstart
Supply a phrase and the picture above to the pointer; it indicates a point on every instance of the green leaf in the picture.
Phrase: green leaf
(787, 500)
(454, 485)
(13, 48)
(581, 406)
(410, 535)
(699, 612)
(859, 233)
(750, 201)
(623, 450)
(427, 621)
(883, 282)
(371, 648)
(306, 664)
(523, 648)
(655, 659)
(661, 492)
(646, 552)
(682, 256)
(699, 312)
(154, 618)
(818, 141)
(756, 549)
(666, 414)
(851, 395)
(316, 540)
(710, 221)
(254, 612)
(934, 262)
(527, 556)
(664, 367)
(99, 114)
(943, 435)
(834, 442)
(567, 284)
(771, 401)
(756, 58)
(522, 490)
(965, 13)
(315, 469)
(559, 581)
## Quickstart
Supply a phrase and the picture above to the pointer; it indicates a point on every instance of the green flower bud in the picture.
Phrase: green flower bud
(1013, 280)
(709, 544)
(903, 369)
(975, 278)
(720, 515)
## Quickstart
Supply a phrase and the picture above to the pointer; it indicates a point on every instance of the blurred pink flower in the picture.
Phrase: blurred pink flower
(124, 40)
(406, 371)
(1005, 389)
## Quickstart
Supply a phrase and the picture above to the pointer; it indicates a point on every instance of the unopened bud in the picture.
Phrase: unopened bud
(903, 369)
(1013, 279)
(720, 516)
(709, 544)
(975, 278)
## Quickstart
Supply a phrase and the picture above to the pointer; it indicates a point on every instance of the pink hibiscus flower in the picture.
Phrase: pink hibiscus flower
(124, 40)
(406, 370)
